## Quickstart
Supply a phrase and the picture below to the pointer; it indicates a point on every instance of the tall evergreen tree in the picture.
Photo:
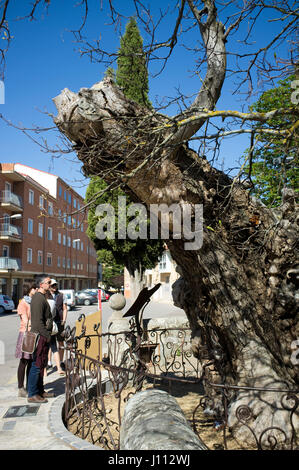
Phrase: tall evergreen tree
(132, 77)
(132, 74)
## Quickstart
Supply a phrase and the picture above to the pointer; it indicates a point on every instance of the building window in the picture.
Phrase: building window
(58, 261)
(41, 202)
(59, 238)
(31, 196)
(49, 259)
(68, 263)
(60, 191)
(30, 226)
(69, 220)
(163, 261)
(40, 230)
(65, 195)
(74, 264)
(39, 257)
(29, 255)
(63, 240)
(75, 203)
(50, 233)
(63, 262)
(50, 208)
(70, 198)
(82, 247)
(69, 241)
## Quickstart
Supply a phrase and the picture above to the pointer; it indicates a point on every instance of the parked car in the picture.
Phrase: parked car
(6, 304)
(104, 295)
(70, 298)
(85, 298)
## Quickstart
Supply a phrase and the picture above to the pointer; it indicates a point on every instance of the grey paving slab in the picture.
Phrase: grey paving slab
(32, 432)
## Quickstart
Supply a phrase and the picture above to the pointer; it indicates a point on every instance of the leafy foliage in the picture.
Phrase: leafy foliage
(112, 273)
(275, 160)
(134, 254)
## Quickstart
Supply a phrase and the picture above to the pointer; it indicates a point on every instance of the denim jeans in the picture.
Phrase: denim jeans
(35, 384)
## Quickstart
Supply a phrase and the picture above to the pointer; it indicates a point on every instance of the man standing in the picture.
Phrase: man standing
(60, 319)
(41, 322)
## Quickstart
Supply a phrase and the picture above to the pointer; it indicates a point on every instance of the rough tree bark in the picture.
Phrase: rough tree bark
(239, 289)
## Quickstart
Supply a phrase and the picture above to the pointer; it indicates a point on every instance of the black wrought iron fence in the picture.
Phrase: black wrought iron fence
(97, 390)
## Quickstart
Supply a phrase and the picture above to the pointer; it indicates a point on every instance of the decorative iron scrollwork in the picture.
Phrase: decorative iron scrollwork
(171, 362)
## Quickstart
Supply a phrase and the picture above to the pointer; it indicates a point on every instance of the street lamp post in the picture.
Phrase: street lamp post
(14, 216)
(10, 288)
(77, 240)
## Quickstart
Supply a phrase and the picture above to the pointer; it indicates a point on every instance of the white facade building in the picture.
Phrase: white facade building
(164, 272)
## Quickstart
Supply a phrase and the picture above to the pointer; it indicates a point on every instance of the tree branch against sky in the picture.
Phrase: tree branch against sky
(207, 60)
(259, 39)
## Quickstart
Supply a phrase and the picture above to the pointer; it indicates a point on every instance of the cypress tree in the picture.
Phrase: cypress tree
(132, 74)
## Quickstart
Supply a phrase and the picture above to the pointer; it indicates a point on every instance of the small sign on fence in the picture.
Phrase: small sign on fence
(93, 346)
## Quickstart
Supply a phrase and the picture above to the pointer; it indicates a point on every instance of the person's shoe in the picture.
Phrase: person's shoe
(48, 395)
(22, 392)
(36, 399)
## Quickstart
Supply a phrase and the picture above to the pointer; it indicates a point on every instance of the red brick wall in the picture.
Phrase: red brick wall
(36, 243)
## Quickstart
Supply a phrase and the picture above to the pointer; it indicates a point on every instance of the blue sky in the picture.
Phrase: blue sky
(43, 59)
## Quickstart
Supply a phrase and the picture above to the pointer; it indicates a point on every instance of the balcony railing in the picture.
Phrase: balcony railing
(8, 197)
(9, 230)
(10, 263)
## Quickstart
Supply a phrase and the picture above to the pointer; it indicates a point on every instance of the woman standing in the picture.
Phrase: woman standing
(25, 358)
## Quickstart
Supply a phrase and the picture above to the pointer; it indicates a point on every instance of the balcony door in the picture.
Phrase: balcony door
(6, 222)
(7, 190)
(5, 251)
(7, 186)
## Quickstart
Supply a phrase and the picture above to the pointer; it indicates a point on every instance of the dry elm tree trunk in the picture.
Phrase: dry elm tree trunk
(238, 290)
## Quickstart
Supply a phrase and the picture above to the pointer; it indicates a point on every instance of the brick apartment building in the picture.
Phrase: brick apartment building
(42, 230)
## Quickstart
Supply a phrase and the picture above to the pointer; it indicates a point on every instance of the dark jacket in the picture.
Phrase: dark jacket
(40, 313)
(59, 307)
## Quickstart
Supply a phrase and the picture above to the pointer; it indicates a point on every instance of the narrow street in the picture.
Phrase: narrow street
(10, 327)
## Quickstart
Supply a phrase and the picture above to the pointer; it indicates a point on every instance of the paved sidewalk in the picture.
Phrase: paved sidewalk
(32, 431)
